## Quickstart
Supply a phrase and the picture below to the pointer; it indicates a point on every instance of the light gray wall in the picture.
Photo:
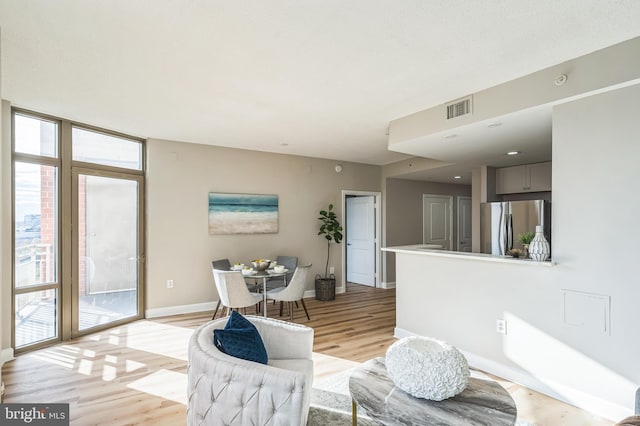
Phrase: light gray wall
(404, 213)
(3, 203)
(595, 179)
(179, 178)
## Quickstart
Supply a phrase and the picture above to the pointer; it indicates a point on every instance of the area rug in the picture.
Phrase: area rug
(331, 404)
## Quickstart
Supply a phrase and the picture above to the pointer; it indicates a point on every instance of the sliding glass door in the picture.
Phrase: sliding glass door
(107, 250)
(107, 216)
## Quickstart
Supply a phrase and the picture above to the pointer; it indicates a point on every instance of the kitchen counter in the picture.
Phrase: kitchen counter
(434, 250)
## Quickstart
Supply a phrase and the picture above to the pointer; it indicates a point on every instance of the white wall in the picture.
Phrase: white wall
(179, 178)
(617, 64)
(595, 221)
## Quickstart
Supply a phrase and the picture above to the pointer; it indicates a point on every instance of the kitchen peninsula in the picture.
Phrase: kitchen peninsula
(458, 297)
(436, 251)
(567, 325)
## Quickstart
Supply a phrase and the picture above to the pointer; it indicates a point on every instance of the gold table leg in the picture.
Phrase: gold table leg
(354, 413)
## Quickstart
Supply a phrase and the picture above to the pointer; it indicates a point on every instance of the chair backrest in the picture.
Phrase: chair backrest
(295, 290)
(221, 264)
(234, 289)
(290, 263)
(222, 290)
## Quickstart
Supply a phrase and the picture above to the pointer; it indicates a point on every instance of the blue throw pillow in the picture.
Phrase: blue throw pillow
(240, 339)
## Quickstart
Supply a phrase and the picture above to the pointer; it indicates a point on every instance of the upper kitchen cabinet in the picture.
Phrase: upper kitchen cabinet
(526, 178)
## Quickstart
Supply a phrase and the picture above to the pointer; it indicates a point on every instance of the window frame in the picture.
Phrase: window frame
(65, 262)
(20, 157)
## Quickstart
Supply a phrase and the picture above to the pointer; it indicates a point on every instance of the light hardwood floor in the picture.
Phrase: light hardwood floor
(136, 373)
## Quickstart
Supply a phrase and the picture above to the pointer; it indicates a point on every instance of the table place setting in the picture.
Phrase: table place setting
(261, 266)
(237, 267)
(278, 269)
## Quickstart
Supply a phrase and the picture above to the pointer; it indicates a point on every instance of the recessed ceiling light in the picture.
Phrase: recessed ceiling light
(457, 177)
(513, 152)
(451, 136)
(492, 125)
(284, 144)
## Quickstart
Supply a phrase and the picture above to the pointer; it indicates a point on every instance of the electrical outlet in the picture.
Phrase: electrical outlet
(332, 270)
(169, 283)
(501, 326)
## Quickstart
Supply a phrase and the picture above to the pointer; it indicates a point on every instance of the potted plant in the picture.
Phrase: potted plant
(331, 230)
(525, 239)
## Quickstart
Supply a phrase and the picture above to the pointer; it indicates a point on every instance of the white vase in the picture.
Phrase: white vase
(539, 247)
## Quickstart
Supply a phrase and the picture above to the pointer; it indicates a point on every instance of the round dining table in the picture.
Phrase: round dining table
(265, 275)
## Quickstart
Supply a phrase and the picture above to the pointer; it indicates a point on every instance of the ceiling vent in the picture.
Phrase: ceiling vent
(459, 108)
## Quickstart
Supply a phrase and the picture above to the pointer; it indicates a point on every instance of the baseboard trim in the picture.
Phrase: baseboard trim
(310, 294)
(6, 355)
(559, 391)
(203, 307)
(388, 284)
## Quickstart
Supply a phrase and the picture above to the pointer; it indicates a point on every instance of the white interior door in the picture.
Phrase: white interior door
(464, 224)
(437, 220)
(360, 238)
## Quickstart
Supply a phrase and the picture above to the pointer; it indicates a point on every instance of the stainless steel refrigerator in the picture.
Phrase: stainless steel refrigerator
(502, 222)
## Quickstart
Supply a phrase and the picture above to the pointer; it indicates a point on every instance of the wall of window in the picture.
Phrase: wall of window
(78, 231)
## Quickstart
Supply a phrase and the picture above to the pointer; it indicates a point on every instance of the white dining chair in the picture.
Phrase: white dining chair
(290, 263)
(233, 292)
(293, 292)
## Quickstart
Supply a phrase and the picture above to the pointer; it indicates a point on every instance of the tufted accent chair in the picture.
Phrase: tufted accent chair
(224, 390)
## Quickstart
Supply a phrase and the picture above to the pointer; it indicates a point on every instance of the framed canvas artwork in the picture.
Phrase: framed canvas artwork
(242, 213)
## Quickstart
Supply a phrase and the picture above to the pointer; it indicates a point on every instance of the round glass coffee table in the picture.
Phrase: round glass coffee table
(483, 402)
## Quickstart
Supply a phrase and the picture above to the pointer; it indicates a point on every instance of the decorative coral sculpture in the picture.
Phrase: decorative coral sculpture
(427, 368)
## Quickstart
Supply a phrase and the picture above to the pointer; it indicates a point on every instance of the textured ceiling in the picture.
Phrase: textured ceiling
(314, 78)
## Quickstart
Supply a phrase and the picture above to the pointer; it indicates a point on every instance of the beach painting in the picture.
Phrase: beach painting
(242, 213)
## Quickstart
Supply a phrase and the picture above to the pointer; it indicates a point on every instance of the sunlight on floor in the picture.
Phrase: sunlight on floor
(164, 384)
(85, 367)
(174, 343)
(59, 356)
(326, 365)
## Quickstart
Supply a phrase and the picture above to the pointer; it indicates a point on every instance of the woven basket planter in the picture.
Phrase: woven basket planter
(325, 288)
